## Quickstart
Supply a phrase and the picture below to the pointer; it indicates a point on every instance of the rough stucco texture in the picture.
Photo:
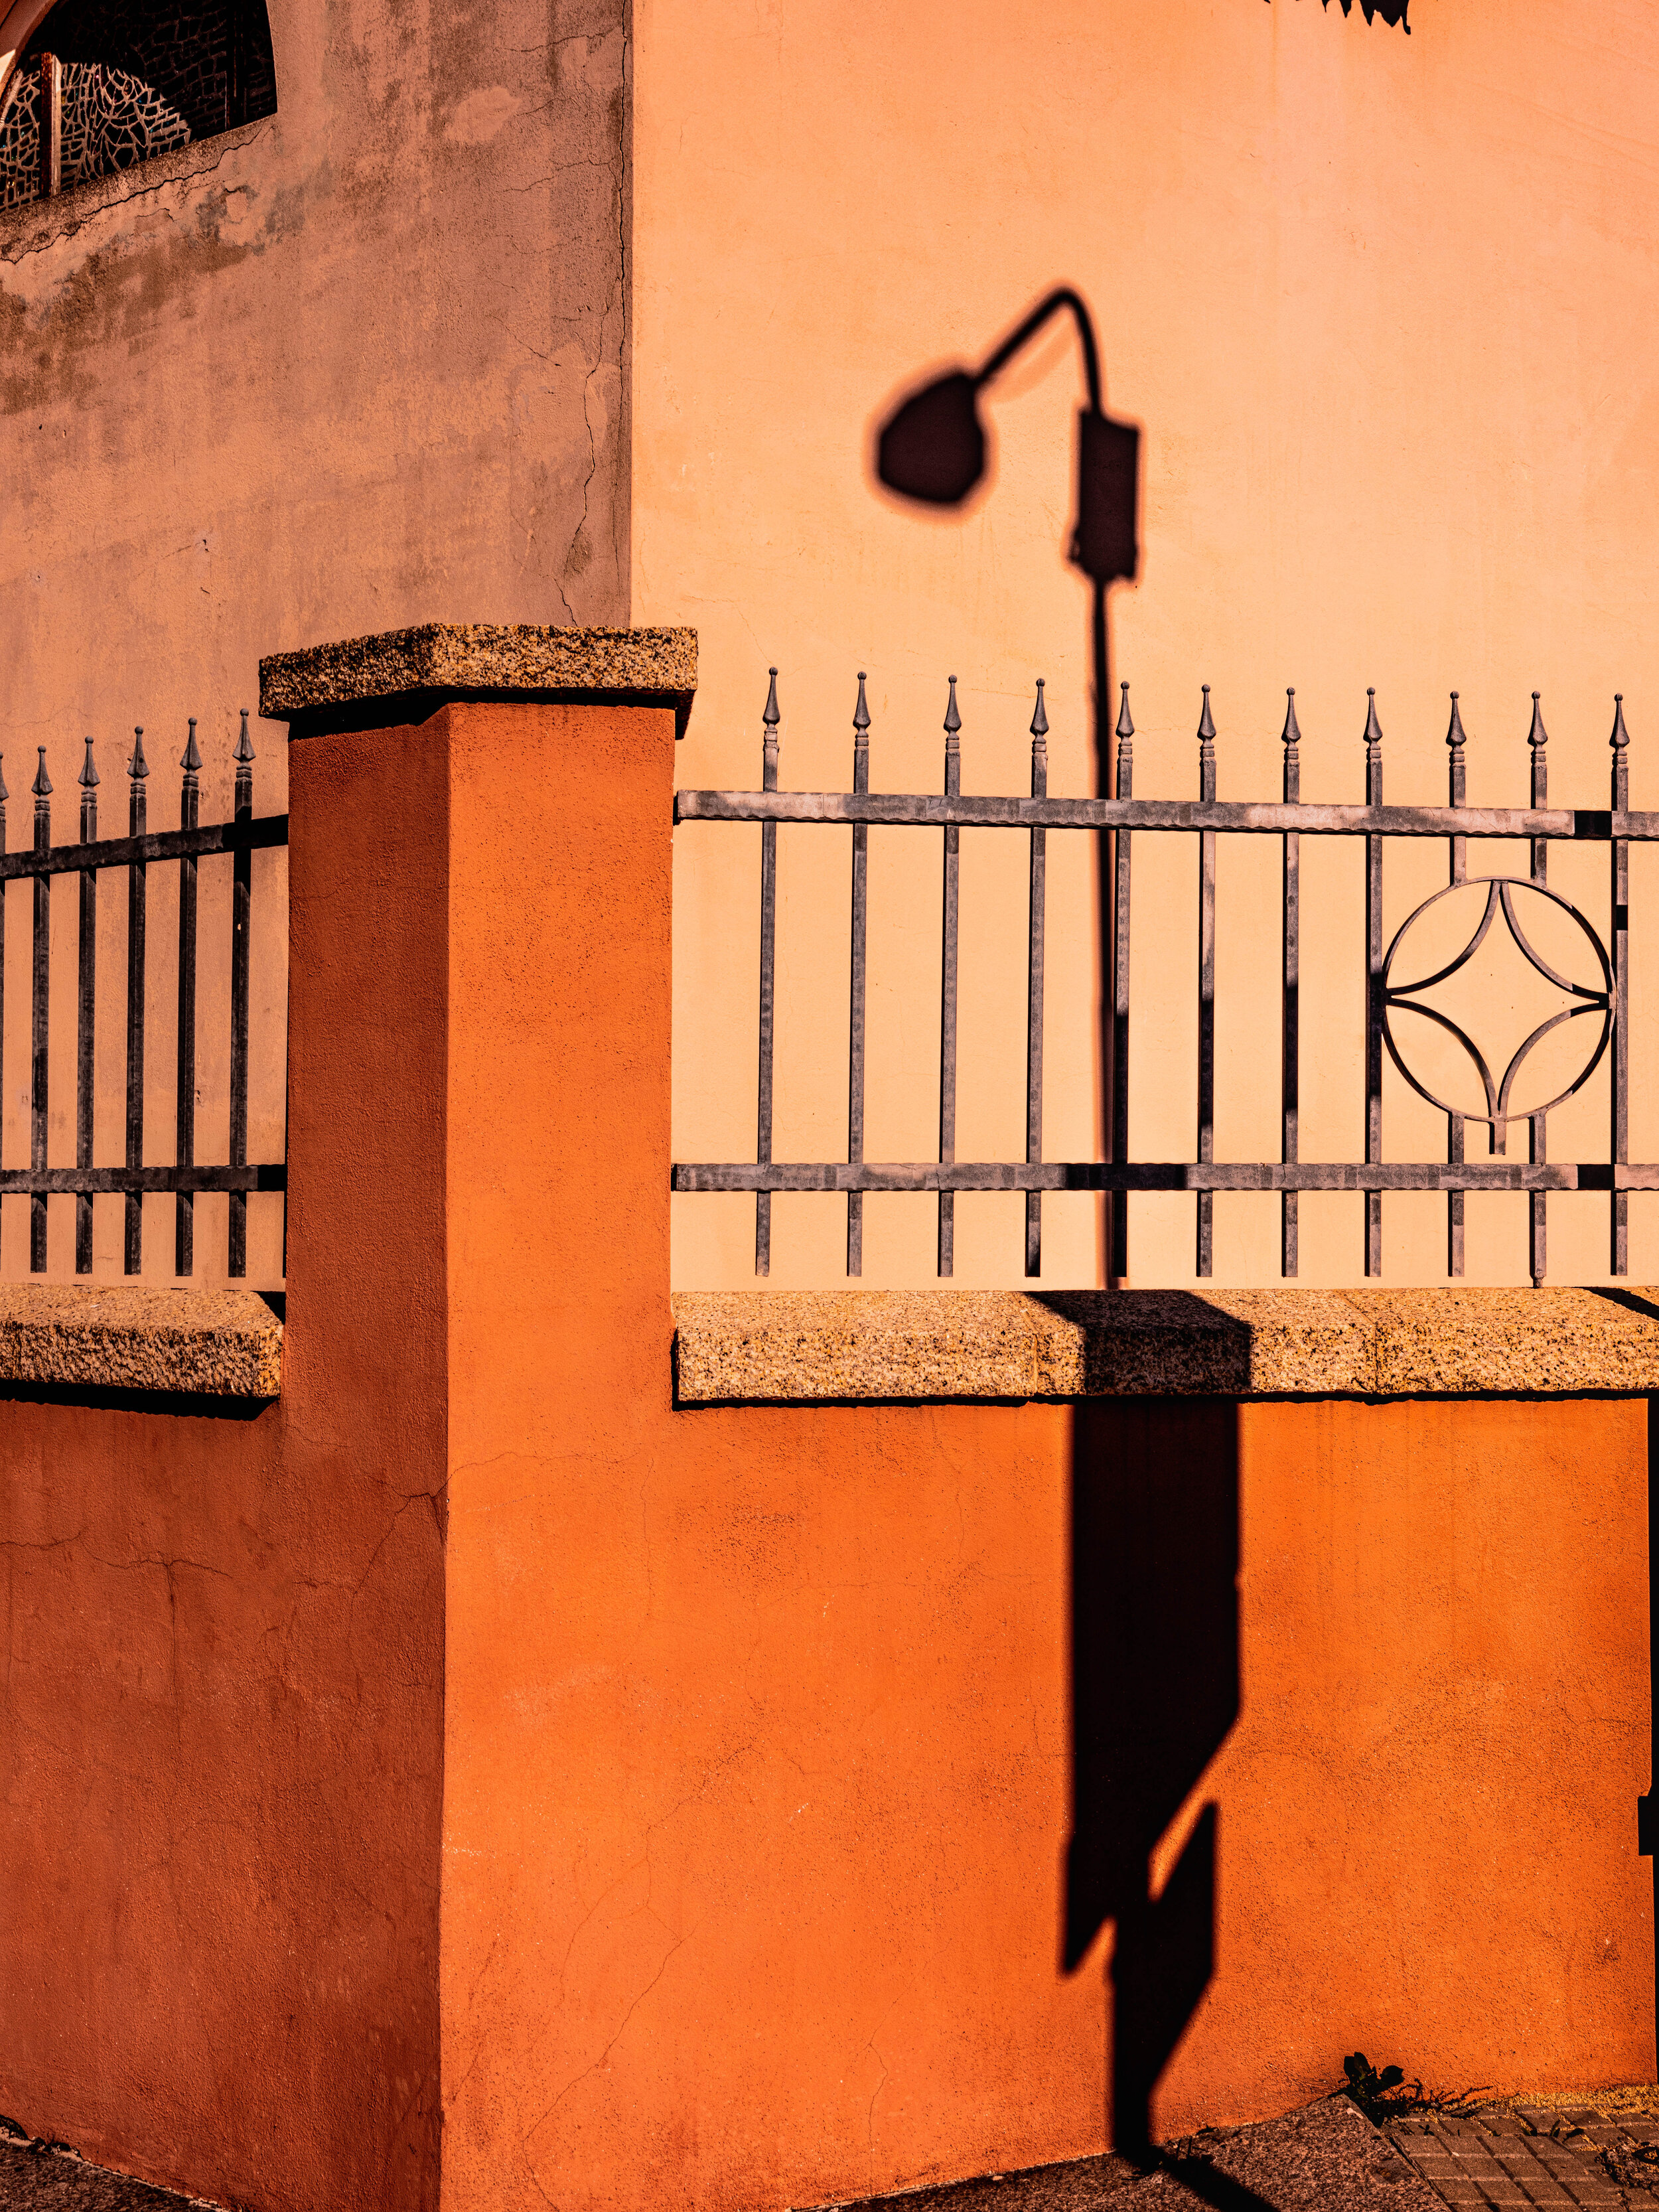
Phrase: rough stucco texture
(356, 368)
(780, 1779)
(786, 1746)
(221, 1734)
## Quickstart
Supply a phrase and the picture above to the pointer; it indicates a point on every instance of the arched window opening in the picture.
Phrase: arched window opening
(90, 86)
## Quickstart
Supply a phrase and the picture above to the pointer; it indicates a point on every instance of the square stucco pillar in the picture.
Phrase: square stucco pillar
(518, 785)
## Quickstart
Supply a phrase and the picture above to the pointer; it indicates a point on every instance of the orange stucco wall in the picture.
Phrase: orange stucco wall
(745, 1807)
(760, 1725)
(221, 1736)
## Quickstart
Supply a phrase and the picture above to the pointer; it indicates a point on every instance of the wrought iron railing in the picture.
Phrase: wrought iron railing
(1120, 817)
(240, 837)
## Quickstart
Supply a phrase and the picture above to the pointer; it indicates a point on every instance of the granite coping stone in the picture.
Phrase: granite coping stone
(221, 1344)
(806, 1347)
(496, 660)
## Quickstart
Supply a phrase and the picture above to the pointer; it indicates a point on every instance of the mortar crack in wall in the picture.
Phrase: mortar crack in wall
(576, 2079)
(43, 245)
(870, 2115)
(412, 1497)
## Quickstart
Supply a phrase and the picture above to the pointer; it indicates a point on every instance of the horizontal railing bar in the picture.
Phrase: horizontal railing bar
(265, 829)
(270, 1176)
(930, 810)
(1150, 1174)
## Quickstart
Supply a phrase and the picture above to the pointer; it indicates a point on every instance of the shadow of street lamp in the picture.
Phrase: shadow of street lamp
(931, 449)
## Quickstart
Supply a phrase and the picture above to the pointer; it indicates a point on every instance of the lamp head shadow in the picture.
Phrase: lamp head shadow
(933, 448)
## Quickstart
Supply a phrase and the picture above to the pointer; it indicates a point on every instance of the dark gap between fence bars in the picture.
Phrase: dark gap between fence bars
(241, 837)
(1290, 819)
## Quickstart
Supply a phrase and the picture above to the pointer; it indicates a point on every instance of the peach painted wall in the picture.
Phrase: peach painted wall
(763, 1725)
(1379, 302)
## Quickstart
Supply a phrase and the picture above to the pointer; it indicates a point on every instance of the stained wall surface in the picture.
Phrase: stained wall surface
(1377, 300)
(358, 365)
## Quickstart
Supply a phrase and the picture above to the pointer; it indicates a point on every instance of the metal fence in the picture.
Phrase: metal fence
(1603, 999)
(240, 837)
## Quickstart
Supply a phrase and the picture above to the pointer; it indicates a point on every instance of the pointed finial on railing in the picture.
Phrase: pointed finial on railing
(1126, 727)
(952, 719)
(861, 712)
(1454, 733)
(1373, 727)
(769, 741)
(88, 775)
(138, 767)
(1290, 736)
(245, 751)
(1537, 735)
(1206, 727)
(191, 759)
(1039, 718)
(42, 785)
(1621, 735)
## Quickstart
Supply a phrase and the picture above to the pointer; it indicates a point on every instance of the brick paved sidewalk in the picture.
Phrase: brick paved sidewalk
(1535, 2155)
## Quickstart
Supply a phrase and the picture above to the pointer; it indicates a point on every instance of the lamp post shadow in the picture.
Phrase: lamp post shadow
(1155, 1690)
(1154, 1564)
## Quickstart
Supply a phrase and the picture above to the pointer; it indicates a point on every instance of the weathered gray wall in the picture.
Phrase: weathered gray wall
(357, 365)
(354, 366)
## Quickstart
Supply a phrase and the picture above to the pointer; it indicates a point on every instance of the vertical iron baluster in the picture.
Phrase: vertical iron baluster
(4, 796)
(1538, 738)
(1621, 948)
(1206, 986)
(241, 899)
(947, 1014)
(137, 769)
(1118, 1203)
(1456, 739)
(1374, 986)
(1034, 990)
(855, 1022)
(84, 1012)
(1535, 1233)
(42, 788)
(1290, 1077)
(1460, 873)
(183, 1235)
(50, 126)
(768, 936)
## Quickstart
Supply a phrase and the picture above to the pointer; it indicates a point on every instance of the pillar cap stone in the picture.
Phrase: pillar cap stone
(403, 675)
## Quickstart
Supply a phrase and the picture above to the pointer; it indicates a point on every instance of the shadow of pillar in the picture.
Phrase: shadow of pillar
(1155, 1690)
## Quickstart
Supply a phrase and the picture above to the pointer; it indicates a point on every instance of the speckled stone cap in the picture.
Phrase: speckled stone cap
(405, 675)
(744, 1346)
(220, 1344)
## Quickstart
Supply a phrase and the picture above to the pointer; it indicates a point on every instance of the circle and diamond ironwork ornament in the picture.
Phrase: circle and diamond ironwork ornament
(1500, 897)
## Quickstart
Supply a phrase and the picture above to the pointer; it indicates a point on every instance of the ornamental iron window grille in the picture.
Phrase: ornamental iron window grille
(1519, 905)
(102, 85)
(140, 849)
